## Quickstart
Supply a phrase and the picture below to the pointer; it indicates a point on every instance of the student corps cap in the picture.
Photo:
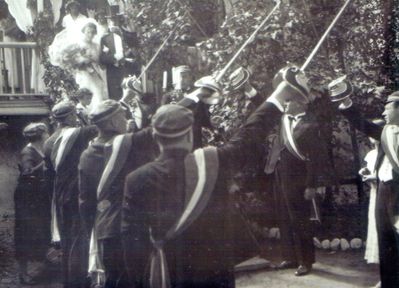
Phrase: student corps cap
(171, 121)
(62, 109)
(104, 110)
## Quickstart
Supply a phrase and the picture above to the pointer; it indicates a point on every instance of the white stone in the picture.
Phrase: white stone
(344, 244)
(274, 232)
(326, 244)
(356, 243)
(335, 243)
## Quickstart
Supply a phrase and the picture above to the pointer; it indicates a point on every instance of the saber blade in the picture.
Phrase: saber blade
(318, 45)
(158, 51)
(220, 75)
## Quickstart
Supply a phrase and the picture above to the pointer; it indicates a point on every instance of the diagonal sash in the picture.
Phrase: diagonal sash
(288, 135)
(120, 148)
(389, 145)
(65, 142)
(207, 166)
(61, 148)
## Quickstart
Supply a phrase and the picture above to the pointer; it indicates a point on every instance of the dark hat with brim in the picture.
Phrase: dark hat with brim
(239, 77)
(71, 3)
(340, 89)
(62, 109)
(104, 111)
(34, 129)
(394, 97)
(172, 121)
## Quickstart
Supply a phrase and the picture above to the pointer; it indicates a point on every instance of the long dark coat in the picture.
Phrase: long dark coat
(292, 177)
(32, 208)
(74, 245)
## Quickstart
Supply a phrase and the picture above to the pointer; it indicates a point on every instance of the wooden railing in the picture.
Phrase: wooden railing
(20, 80)
(16, 67)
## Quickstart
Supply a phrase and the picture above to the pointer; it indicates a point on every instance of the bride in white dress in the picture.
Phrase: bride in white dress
(77, 51)
(90, 75)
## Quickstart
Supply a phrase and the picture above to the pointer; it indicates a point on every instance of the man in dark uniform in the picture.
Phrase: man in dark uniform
(300, 163)
(387, 170)
(183, 85)
(102, 170)
(178, 206)
(62, 152)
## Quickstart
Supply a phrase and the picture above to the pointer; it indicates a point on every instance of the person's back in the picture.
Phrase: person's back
(202, 255)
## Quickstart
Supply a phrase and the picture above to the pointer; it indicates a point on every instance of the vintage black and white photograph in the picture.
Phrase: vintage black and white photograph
(199, 143)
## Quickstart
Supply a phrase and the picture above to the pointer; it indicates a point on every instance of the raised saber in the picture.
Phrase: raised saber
(158, 51)
(318, 45)
(220, 75)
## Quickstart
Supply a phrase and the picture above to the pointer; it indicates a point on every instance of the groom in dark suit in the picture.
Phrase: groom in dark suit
(112, 54)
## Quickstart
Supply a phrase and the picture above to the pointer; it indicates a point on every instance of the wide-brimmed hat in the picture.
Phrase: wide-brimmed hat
(340, 89)
(172, 120)
(239, 77)
(70, 3)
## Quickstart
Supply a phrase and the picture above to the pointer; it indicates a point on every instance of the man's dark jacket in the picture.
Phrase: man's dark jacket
(205, 254)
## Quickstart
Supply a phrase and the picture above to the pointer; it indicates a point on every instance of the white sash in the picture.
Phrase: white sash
(200, 160)
(65, 135)
(55, 232)
(95, 262)
(290, 138)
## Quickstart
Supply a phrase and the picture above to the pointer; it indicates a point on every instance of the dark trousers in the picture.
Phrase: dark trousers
(74, 247)
(114, 80)
(294, 222)
(388, 238)
(115, 272)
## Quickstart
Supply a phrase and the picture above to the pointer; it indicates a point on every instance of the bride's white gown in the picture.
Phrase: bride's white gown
(92, 79)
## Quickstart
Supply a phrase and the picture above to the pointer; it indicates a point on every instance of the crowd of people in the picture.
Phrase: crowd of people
(136, 199)
(133, 206)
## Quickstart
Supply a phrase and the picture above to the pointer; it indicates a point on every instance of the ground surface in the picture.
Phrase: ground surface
(333, 270)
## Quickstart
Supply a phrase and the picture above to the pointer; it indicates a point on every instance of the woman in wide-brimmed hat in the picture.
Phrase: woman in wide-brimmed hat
(32, 204)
